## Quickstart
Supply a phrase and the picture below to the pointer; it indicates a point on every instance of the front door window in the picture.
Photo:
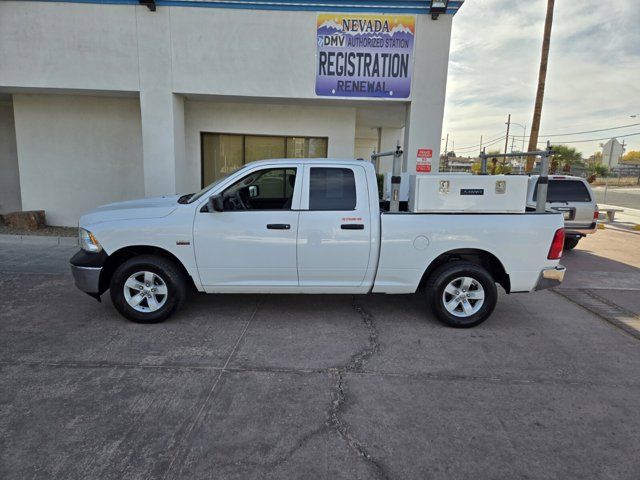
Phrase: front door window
(269, 189)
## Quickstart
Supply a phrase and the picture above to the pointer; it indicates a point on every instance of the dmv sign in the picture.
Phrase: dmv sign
(364, 55)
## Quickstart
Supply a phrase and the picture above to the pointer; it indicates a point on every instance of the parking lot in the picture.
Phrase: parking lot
(284, 386)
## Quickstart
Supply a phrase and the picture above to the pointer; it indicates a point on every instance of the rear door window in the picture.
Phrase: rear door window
(332, 189)
(565, 191)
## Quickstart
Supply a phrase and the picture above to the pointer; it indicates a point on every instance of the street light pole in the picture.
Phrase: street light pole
(524, 132)
(506, 140)
(606, 183)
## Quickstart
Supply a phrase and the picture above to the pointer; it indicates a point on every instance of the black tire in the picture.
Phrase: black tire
(571, 242)
(449, 272)
(166, 270)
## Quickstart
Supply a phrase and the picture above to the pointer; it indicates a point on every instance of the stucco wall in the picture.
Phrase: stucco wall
(336, 123)
(9, 175)
(77, 152)
(67, 45)
(215, 51)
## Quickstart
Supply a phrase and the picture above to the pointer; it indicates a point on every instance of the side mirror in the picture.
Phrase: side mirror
(254, 191)
(214, 204)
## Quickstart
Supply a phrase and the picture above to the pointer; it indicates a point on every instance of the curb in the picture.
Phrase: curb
(618, 228)
(39, 240)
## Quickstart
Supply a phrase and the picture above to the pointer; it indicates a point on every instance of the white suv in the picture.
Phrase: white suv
(574, 198)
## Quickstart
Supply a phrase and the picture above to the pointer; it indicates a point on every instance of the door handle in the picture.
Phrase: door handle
(278, 226)
(352, 226)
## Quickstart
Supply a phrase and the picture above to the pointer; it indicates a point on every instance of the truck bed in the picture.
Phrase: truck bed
(412, 241)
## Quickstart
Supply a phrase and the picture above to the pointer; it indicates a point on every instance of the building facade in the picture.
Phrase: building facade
(108, 100)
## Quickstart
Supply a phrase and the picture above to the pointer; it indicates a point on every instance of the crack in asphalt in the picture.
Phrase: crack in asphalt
(334, 415)
(424, 376)
(334, 418)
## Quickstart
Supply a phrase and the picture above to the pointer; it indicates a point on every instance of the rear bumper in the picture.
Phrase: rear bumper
(550, 277)
(581, 230)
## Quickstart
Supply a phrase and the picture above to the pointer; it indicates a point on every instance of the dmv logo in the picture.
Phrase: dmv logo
(330, 41)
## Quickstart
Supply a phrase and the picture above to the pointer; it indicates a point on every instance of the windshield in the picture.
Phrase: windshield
(196, 196)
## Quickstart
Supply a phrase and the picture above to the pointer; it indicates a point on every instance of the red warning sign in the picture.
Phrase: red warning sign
(424, 153)
(423, 160)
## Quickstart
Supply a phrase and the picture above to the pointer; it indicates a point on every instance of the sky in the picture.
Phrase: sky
(593, 77)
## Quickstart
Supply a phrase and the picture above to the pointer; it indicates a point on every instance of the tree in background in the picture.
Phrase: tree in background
(632, 157)
(494, 166)
(595, 158)
(596, 170)
(566, 157)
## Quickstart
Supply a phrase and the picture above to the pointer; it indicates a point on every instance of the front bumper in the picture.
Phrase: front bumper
(550, 277)
(87, 278)
(86, 269)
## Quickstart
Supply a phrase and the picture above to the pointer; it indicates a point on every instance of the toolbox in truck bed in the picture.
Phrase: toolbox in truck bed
(467, 193)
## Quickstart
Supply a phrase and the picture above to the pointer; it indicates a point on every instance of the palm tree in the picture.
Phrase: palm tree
(542, 75)
(566, 157)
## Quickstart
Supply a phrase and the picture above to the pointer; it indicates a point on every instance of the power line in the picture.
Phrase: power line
(496, 140)
(581, 133)
(501, 137)
(484, 144)
(595, 139)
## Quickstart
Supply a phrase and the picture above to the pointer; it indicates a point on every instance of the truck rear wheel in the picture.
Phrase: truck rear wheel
(462, 294)
(147, 289)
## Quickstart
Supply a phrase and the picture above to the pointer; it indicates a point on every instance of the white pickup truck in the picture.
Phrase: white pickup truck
(310, 226)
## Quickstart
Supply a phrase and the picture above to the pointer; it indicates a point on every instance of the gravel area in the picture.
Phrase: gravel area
(49, 231)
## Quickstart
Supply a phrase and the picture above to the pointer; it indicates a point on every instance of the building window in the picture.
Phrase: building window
(225, 153)
(332, 189)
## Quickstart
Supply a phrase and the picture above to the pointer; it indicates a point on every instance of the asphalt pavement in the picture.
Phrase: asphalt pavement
(327, 386)
(620, 196)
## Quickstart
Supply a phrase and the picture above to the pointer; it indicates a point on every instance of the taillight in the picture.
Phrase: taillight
(596, 213)
(555, 252)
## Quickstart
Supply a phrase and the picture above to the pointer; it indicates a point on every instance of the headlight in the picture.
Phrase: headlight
(88, 242)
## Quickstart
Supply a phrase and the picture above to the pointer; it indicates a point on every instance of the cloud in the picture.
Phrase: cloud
(593, 78)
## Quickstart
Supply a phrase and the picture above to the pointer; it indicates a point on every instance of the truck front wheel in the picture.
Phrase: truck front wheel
(462, 294)
(147, 289)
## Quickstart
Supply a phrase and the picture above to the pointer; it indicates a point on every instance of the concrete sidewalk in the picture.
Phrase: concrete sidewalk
(628, 218)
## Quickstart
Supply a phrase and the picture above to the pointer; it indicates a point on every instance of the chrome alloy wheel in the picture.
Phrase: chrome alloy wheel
(145, 291)
(463, 297)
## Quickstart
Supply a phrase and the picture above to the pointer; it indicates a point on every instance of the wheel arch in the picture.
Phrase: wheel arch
(482, 258)
(120, 256)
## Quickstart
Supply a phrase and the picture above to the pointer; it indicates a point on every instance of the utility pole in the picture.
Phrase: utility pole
(542, 76)
(446, 146)
(480, 142)
(506, 140)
